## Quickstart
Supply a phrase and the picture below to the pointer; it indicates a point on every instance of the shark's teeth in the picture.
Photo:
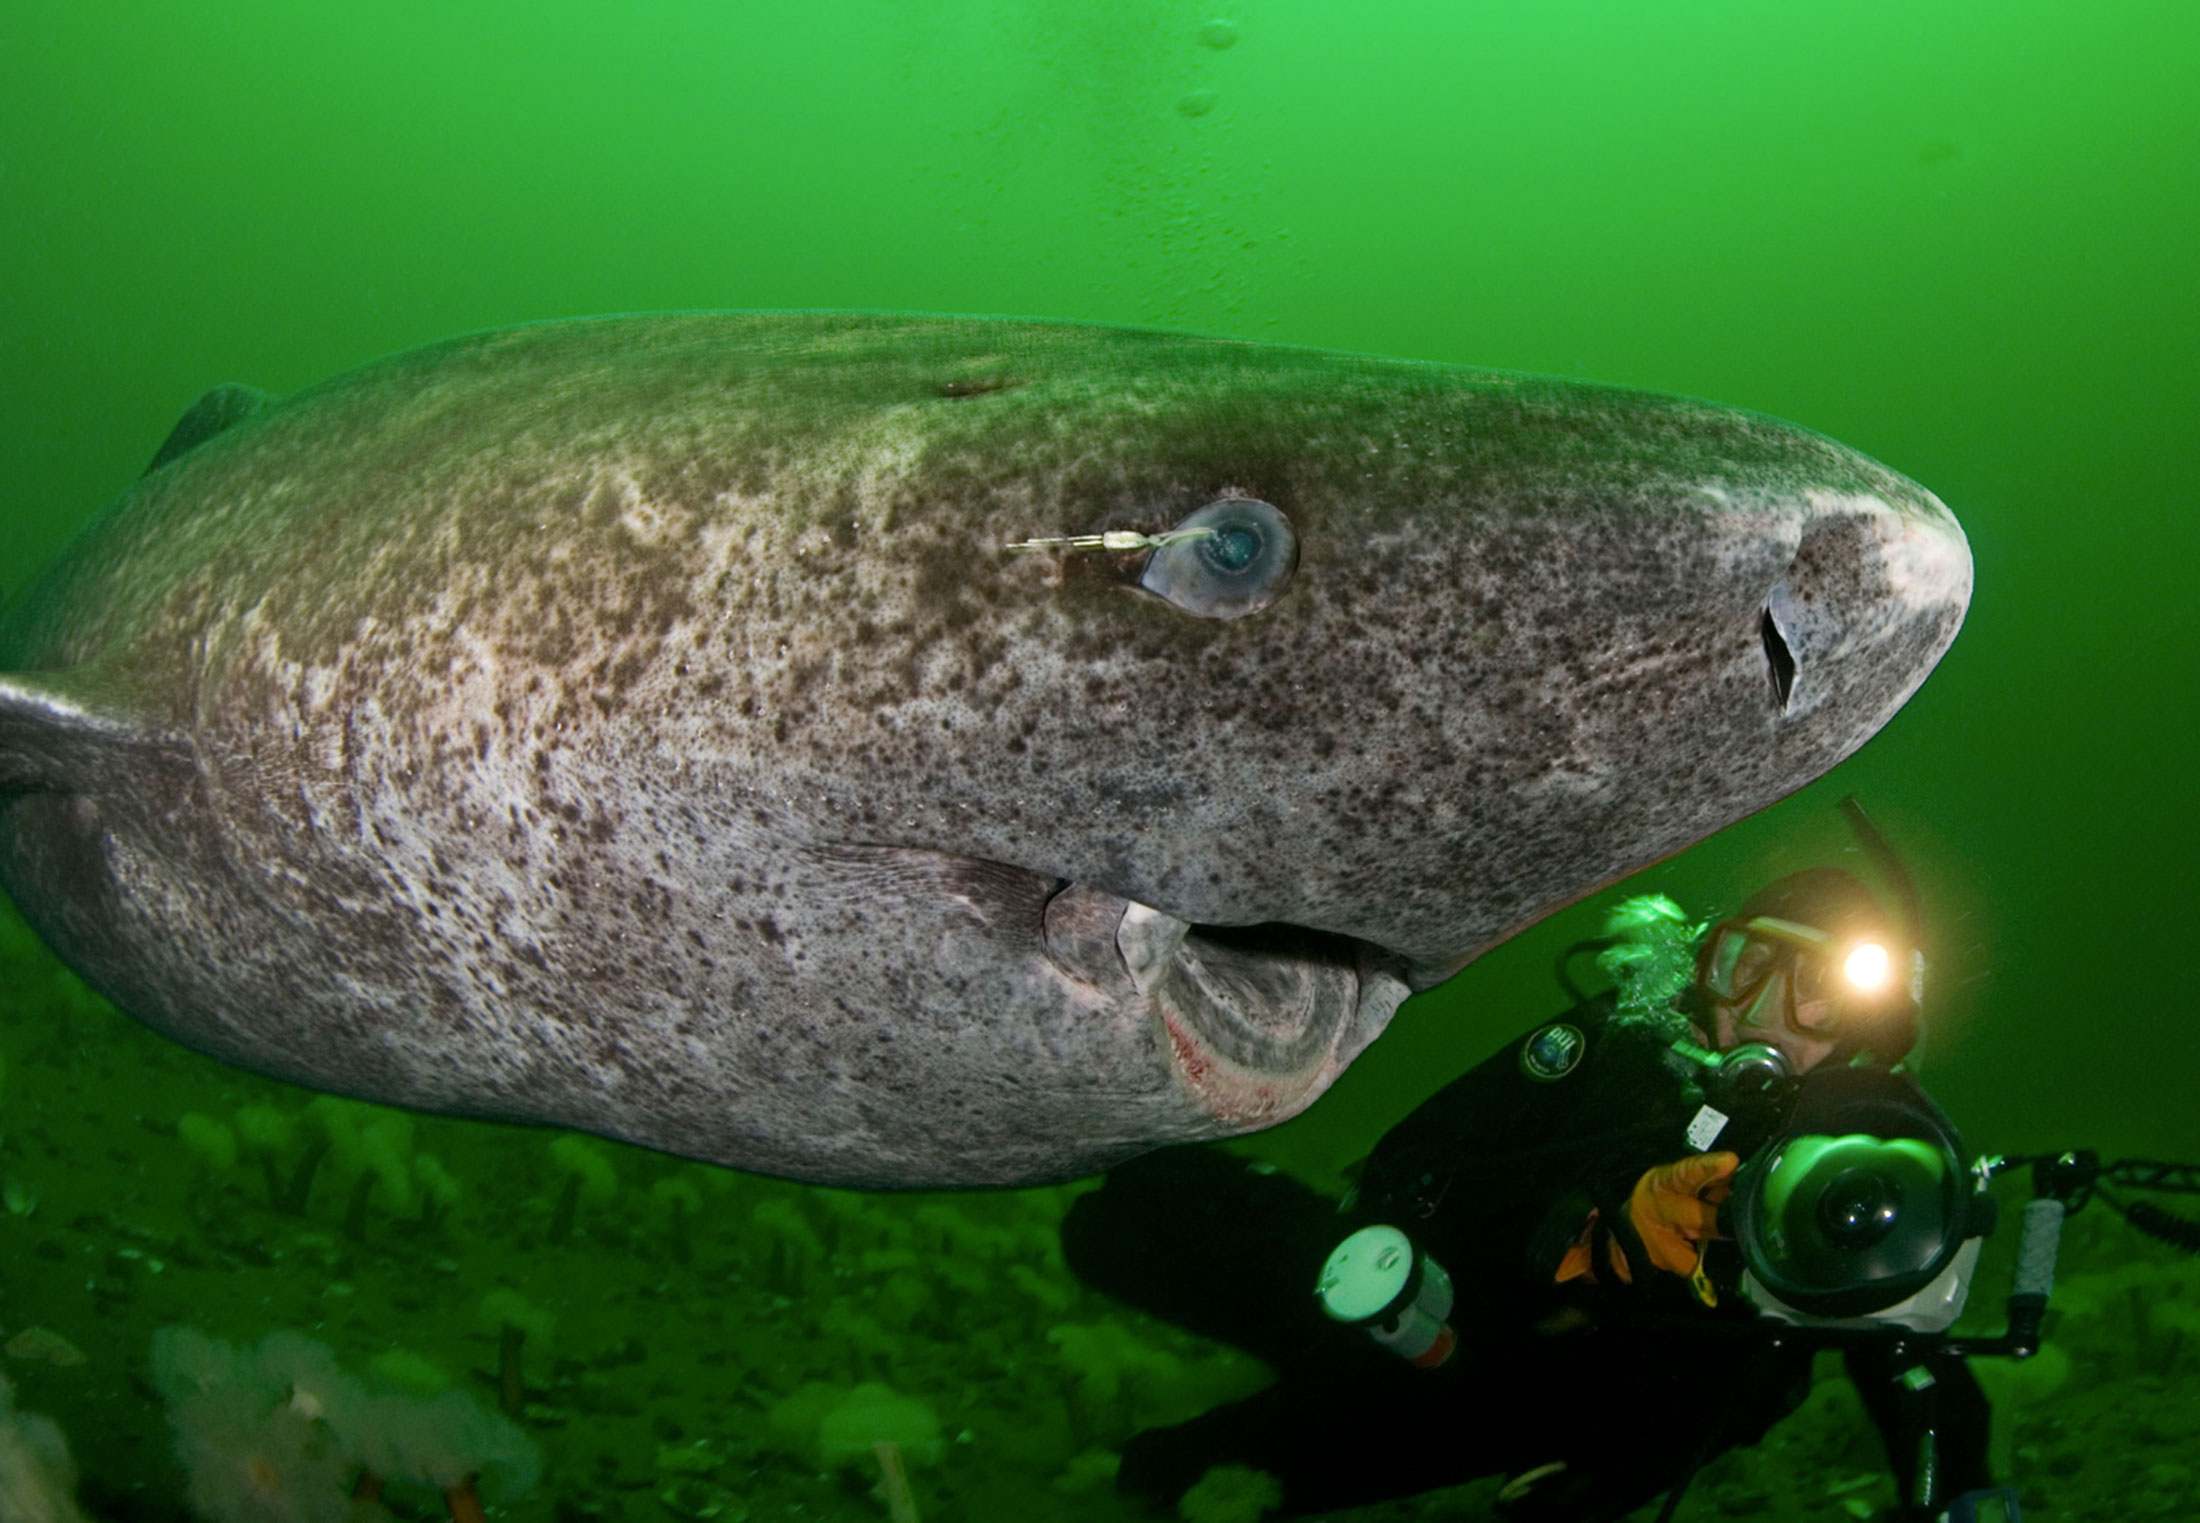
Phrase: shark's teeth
(1148, 939)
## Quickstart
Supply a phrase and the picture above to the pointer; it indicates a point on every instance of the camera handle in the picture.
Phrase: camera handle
(2063, 1183)
(2057, 1180)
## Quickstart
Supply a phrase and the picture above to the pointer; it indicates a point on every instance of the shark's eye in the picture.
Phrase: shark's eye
(1229, 559)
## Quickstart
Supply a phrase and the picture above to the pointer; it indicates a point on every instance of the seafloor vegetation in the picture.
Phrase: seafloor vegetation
(231, 1297)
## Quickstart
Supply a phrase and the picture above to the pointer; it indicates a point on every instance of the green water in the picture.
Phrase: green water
(1959, 236)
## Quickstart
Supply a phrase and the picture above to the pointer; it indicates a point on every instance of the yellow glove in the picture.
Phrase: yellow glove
(1675, 1207)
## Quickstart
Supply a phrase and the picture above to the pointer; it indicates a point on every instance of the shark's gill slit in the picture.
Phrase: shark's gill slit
(1779, 658)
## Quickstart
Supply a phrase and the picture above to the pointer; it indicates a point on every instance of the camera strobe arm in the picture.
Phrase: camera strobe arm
(2061, 1182)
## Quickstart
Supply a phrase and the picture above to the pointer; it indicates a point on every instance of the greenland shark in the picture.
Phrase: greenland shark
(906, 751)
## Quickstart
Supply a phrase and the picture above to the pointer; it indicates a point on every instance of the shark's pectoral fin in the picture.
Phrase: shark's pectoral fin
(223, 407)
(59, 731)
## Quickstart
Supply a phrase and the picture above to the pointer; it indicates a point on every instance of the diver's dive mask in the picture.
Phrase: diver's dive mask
(1851, 987)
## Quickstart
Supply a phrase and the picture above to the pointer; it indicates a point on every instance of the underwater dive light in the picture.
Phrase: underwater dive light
(1867, 966)
(1380, 1280)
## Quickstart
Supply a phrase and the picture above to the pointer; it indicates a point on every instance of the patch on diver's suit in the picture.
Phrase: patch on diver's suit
(1553, 1052)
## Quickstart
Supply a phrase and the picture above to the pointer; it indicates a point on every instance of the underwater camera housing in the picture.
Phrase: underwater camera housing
(1861, 1212)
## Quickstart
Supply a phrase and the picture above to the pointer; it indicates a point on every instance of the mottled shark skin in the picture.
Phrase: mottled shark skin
(639, 725)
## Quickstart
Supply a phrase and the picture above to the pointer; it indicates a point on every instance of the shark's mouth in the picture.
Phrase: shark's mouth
(1260, 1018)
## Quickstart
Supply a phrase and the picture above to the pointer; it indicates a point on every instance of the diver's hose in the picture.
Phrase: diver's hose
(2160, 1225)
(1565, 970)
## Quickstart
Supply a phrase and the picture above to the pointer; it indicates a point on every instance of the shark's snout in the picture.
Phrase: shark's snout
(1876, 586)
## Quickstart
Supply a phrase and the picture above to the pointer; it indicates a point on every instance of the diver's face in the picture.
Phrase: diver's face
(1771, 1014)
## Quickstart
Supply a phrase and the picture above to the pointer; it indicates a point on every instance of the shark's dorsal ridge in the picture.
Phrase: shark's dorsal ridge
(222, 407)
(60, 729)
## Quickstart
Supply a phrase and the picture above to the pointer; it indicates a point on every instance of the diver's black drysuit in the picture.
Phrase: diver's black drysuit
(1629, 1386)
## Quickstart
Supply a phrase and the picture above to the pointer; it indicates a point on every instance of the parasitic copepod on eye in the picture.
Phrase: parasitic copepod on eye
(1227, 559)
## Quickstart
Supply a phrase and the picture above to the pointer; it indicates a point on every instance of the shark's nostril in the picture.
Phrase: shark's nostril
(1779, 659)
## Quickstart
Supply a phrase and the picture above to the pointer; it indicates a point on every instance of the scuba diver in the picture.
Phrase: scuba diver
(1536, 1273)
